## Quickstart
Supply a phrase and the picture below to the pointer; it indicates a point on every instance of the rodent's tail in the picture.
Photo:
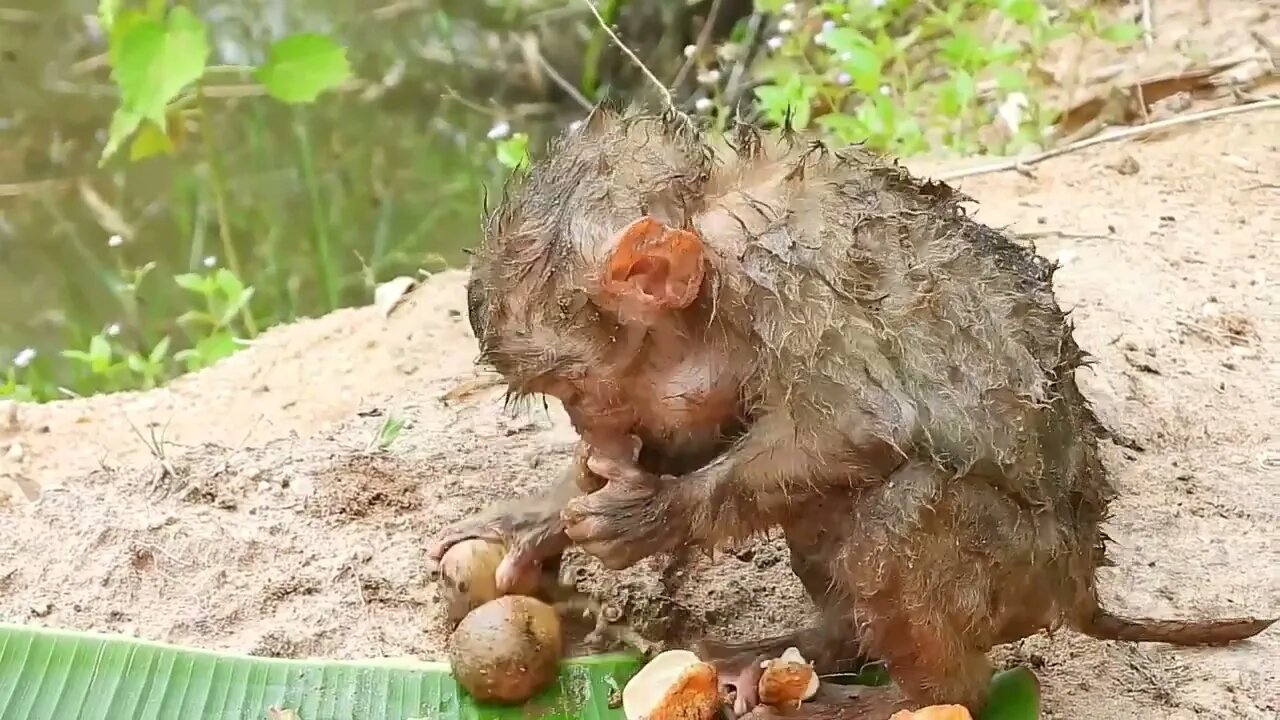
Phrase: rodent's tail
(1106, 626)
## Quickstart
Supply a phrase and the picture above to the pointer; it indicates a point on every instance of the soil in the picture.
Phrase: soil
(247, 507)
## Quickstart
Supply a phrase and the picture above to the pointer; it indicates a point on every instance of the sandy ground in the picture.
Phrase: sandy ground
(241, 507)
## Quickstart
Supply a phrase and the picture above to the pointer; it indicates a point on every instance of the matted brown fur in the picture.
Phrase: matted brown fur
(904, 381)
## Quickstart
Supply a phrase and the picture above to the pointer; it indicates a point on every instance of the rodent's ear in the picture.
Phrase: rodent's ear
(655, 265)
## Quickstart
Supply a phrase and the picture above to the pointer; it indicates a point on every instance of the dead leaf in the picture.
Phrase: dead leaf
(1126, 103)
(389, 294)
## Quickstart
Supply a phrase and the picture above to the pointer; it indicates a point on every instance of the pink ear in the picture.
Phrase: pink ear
(655, 266)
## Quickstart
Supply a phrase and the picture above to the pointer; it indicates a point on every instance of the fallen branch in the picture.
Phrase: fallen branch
(1133, 132)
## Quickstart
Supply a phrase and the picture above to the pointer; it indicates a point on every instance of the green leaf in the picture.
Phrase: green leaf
(302, 66)
(150, 140)
(1021, 11)
(100, 352)
(154, 61)
(1015, 695)
(160, 351)
(1121, 33)
(844, 128)
(47, 673)
(513, 152)
(209, 350)
(229, 284)
(107, 10)
(190, 281)
(859, 56)
(123, 123)
(235, 305)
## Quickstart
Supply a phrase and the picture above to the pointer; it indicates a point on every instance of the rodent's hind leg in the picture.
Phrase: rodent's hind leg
(962, 564)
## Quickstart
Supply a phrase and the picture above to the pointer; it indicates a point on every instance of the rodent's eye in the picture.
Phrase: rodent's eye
(463, 586)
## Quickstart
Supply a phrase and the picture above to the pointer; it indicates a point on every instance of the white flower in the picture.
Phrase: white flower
(113, 329)
(846, 56)
(709, 77)
(1011, 109)
(775, 42)
(115, 241)
(885, 90)
(703, 104)
(689, 50)
(210, 261)
(828, 26)
(844, 78)
(789, 9)
(24, 357)
(786, 25)
(500, 129)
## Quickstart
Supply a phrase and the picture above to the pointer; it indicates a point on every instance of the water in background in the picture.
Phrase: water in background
(323, 199)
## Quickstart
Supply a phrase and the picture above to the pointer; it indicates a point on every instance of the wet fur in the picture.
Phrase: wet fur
(905, 373)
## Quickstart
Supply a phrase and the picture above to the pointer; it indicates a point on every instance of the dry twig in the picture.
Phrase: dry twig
(1133, 132)
(1148, 22)
(559, 79)
(666, 93)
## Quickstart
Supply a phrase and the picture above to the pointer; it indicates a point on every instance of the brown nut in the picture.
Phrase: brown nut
(507, 650)
(468, 577)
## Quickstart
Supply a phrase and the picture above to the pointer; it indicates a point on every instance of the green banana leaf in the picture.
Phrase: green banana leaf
(65, 675)
(62, 675)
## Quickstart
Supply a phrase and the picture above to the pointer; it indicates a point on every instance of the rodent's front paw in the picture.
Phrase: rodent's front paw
(622, 523)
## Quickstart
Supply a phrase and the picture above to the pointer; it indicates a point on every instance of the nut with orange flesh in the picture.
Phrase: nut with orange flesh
(674, 685)
(787, 681)
(934, 712)
(468, 577)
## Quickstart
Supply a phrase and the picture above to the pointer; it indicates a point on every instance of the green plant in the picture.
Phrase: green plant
(159, 57)
(112, 366)
(965, 75)
(224, 297)
(158, 53)
(387, 433)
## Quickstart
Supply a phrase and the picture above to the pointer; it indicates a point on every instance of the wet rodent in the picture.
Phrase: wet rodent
(814, 340)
